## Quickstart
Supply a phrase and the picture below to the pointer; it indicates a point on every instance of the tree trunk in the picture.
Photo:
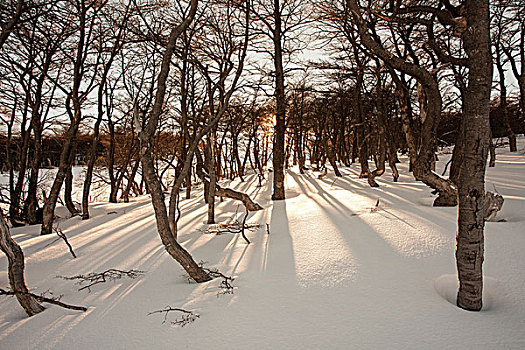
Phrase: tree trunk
(31, 200)
(63, 168)
(168, 237)
(470, 238)
(213, 177)
(131, 181)
(280, 113)
(15, 258)
(68, 189)
(503, 102)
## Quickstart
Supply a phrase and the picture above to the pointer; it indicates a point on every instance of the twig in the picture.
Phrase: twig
(233, 227)
(186, 318)
(268, 228)
(43, 299)
(63, 236)
(225, 286)
(101, 277)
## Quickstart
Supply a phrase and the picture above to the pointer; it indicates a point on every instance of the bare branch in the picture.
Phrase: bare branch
(43, 299)
(186, 318)
(102, 277)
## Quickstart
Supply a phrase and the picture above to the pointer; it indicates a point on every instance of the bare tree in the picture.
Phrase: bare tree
(278, 20)
(110, 40)
(430, 105)
(83, 72)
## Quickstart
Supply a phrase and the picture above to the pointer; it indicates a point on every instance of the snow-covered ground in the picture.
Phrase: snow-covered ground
(335, 272)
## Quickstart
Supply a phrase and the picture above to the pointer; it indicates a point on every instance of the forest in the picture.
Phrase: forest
(284, 174)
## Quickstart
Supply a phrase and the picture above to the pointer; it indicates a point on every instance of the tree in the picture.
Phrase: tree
(277, 20)
(146, 135)
(82, 72)
(110, 41)
(476, 129)
(430, 100)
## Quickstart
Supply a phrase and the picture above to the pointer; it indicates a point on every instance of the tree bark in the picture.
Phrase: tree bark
(280, 112)
(15, 258)
(470, 238)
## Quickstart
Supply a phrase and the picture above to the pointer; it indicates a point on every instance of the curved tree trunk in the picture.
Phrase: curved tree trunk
(68, 182)
(15, 258)
(168, 237)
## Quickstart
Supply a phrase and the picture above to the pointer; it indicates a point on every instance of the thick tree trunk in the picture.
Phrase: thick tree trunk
(15, 258)
(361, 126)
(330, 152)
(470, 238)
(280, 113)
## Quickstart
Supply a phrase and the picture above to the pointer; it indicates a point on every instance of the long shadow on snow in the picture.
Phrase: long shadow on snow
(373, 254)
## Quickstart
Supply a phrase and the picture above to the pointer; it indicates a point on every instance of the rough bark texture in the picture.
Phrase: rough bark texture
(470, 240)
(15, 258)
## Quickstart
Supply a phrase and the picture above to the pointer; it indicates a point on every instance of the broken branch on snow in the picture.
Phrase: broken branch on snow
(43, 299)
(101, 277)
(187, 316)
(249, 204)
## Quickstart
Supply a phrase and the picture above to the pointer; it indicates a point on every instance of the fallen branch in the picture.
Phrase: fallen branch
(249, 204)
(232, 227)
(62, 235)
(186, 318)
(102, 277)
(43, 299)
(225, 286)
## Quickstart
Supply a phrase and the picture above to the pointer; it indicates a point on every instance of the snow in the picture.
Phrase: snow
(335, 271)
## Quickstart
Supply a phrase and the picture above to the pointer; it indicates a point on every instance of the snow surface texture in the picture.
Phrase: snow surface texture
(335, 272)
